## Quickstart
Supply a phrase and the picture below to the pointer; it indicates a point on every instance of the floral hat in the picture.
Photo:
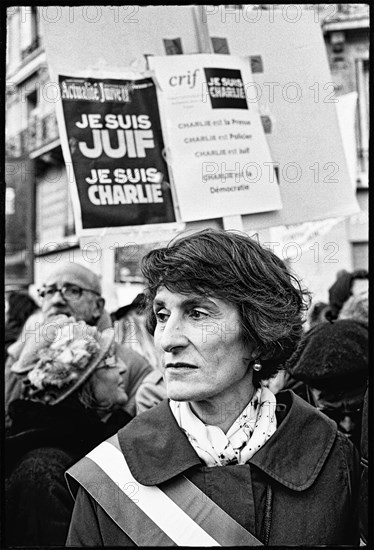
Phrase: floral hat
(67, 361)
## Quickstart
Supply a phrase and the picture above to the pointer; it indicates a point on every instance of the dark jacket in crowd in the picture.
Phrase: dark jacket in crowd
(364, 484)
(332, 358)
(45, 442)
(311, 469)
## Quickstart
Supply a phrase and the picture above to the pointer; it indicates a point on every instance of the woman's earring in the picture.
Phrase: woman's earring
(257, 365)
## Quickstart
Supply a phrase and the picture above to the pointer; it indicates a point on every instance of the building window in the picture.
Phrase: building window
(32, 103)
(362, 79)
(9, 200)
(29, 30)
(360, 256)
(69, 226)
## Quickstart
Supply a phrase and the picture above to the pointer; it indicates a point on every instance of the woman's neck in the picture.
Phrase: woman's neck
(222, 410)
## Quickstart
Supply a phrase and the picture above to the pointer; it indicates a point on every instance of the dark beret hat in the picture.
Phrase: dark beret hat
(136, 305)
(331, 351)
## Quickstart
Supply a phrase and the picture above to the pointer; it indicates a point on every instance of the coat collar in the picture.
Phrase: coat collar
(297, 451)
(156, 449)
(293, 456)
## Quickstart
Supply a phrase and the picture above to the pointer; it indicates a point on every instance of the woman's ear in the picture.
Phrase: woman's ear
(101, 316)
(255, 353)
(100, 302)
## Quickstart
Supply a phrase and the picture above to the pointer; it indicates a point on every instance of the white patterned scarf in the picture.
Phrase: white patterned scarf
(250, 431)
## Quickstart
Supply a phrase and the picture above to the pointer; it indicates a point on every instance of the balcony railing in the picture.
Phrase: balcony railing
(31, 48)
(40, 132)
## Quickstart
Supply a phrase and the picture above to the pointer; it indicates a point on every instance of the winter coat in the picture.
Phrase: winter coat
(300, 488)
(364, 483)
(45, 441)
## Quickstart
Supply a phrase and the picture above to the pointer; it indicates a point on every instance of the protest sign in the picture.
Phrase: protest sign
(293, 87)
(113, 145)
(116, 37)
(346, 110)
(107, 41)
(295, 93)
(216, 146)
(305, 233)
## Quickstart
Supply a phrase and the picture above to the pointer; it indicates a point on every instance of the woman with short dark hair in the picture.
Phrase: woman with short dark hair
(222, 461)
(269, 299)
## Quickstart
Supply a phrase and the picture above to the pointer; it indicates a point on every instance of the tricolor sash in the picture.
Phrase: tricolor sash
(175, 514)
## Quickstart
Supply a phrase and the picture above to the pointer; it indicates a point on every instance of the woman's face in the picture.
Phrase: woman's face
(107, 383)
(203, 354)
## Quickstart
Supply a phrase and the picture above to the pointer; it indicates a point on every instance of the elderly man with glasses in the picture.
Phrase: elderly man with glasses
(73, 290)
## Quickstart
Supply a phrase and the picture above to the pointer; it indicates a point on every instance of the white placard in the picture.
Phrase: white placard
(346, 110)
(294, 89)
(295, 93)
(217, 150)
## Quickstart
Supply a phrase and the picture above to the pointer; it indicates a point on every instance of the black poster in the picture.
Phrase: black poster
(116, 147)
(226, 88)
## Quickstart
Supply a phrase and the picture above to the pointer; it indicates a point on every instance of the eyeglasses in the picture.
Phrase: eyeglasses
(68, 291)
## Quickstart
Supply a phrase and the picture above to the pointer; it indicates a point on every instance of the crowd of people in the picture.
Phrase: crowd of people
(221, 407)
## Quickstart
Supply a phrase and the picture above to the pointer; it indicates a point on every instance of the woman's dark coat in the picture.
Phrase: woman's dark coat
(311, 468)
